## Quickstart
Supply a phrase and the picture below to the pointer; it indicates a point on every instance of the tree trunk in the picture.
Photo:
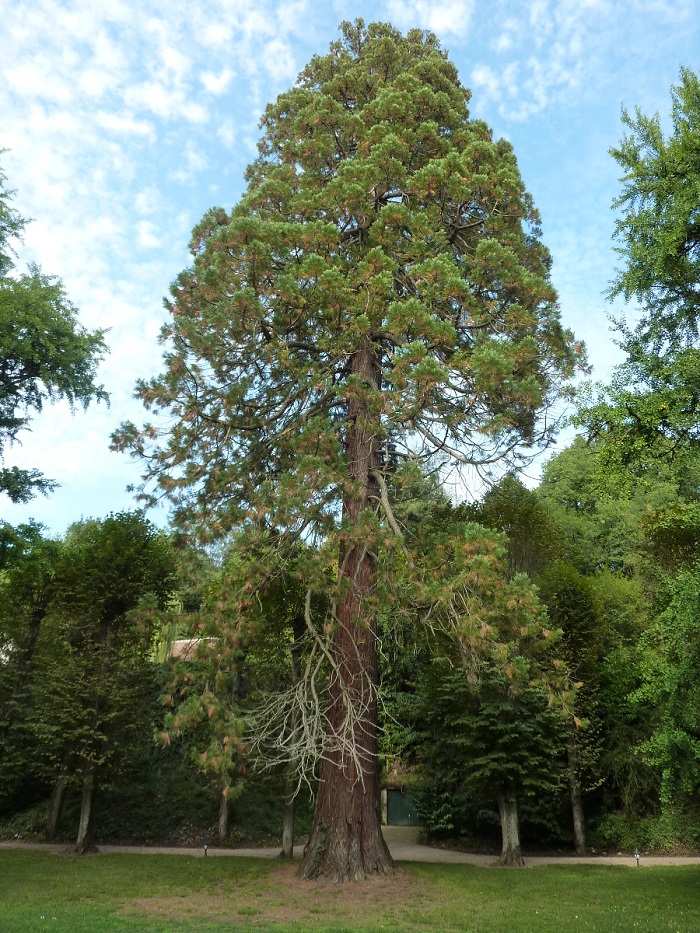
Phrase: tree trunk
(290, 784)
(288, 816)
(510, 830)
(87, 809)
(576, 803)
(56, 807)
(222, 831)
(346, 842)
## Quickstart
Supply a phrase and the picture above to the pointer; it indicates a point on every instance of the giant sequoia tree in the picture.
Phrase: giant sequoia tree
(379, 292)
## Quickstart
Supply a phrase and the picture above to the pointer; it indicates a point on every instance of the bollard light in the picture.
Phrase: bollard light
(636, 855)
(206, 846)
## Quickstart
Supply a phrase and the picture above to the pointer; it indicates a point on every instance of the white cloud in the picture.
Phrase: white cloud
(146, 231)
(279, 61)
(124, 123)
(217, 83)
(147, 201)
(672, 11)
(170, 103)
(215, 35)
(226, 132)
(194, 162)
(444, 17)
(36, 80)
(175, 64)
(486, 80)
(555, 47)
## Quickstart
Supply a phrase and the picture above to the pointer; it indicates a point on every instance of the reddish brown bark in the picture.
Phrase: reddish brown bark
(346, 842)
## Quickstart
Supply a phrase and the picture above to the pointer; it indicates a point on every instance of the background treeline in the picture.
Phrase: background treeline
(87, 625)
(102, 731)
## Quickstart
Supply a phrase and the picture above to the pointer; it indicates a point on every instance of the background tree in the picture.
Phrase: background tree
(651, 408)
(45, 353)
(232, 693)
(485, 698)
(28, 563)
(203, 698)
(620, 529)
(501, 747)
(533, 540)
(381, 284)
(94, 695)
(670, 688)
(570, 601)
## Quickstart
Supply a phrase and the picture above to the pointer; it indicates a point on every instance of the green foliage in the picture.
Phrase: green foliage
(371, 223)
(600, 596)
(497, 739)
(601, 513)
(670, 686)
(660, 226)
(533, 539)
(81, 680)
(27, 575)
(673, 534)
(230, 671)
(651, 408)
(670, 832)
(45, 353)
(570, 602)
(11, 225)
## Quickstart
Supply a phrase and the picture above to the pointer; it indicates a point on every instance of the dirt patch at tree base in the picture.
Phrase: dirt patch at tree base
(281, 897)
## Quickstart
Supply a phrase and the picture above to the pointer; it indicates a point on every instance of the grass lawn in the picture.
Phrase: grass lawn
(180, 894)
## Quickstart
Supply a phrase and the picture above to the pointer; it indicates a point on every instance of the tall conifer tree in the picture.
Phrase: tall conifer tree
(380, 291)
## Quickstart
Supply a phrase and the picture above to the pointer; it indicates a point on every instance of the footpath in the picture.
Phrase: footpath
(403, 844)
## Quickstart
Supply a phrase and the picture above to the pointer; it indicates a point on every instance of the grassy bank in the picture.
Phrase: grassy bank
(180, 894)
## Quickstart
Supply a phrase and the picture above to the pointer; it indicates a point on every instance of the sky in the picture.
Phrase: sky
(126, 120)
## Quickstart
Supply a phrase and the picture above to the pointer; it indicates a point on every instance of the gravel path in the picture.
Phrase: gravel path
(403, 845)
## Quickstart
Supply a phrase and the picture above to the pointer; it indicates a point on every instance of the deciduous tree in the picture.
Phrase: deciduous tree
(45, 353)
(651, 407)
(95, 691)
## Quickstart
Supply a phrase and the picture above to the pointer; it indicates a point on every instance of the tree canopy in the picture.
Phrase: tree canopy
(651, 407)
(45, 353)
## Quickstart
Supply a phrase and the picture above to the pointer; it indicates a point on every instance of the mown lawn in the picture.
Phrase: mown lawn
(179, 894)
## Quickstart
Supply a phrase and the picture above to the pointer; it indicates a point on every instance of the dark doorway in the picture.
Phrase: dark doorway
(400, 809)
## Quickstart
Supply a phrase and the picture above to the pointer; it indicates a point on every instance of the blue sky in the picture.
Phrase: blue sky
(127, 119)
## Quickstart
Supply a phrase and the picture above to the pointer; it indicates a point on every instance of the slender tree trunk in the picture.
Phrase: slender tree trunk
(224, 811)
(56, 806)
(346, 842)
(576, 803)
(87, 810)
(290, 783)
(288, 815)
(510, 830)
